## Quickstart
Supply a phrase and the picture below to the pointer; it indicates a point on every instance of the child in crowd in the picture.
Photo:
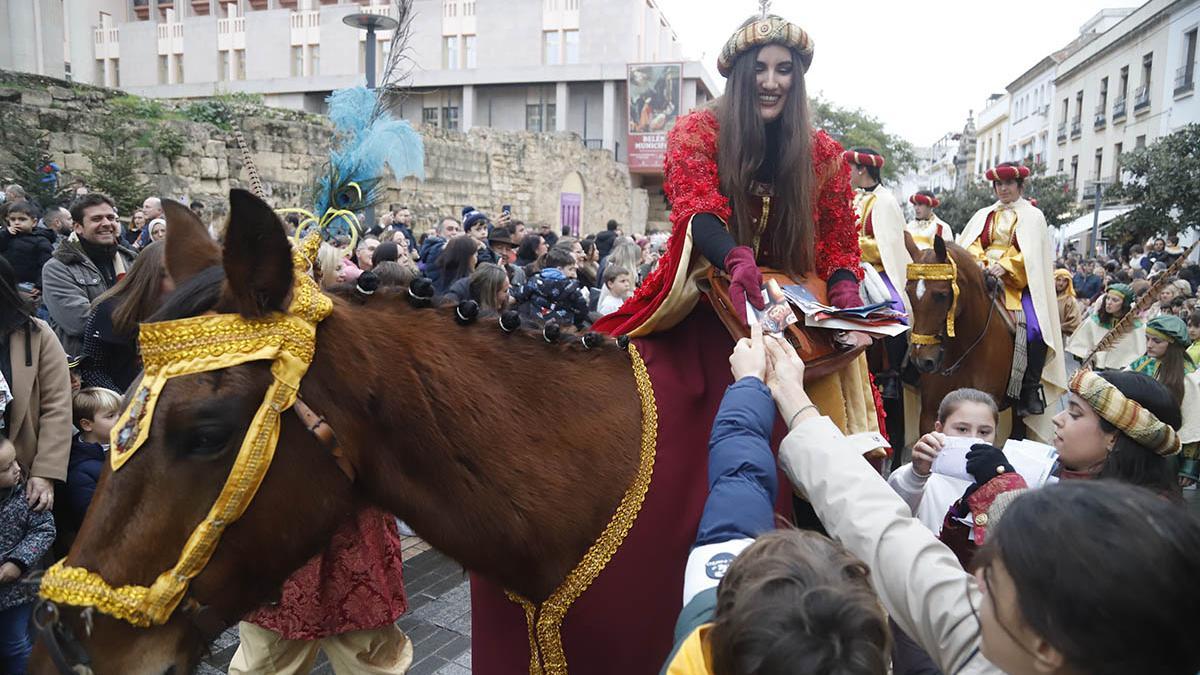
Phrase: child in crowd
(1167, 360)
(618, 286)
(964, 413)
(1194, 336)
(25, 536)
(95, 411)
(554, 293)
(27, 248)
(791, 601)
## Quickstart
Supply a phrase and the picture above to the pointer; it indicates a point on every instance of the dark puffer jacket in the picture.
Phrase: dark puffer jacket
(25, 536)
(27, 252)
(551, 295)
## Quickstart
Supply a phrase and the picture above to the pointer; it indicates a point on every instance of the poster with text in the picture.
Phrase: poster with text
(654, 97)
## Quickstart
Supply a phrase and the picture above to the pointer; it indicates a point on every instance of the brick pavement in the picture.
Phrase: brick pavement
(438, 620)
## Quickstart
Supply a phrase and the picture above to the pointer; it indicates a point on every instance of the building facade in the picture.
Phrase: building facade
(1129, 86)
(991, 141)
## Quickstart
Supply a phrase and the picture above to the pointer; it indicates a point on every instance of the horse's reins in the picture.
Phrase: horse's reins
(947, 271)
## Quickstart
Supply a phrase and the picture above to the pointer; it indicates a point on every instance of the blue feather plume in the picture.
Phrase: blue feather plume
(368, 138)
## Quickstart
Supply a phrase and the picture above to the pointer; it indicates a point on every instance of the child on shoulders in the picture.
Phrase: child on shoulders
(555, 293)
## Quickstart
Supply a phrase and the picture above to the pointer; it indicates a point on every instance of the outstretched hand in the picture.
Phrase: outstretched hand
(785, 379)
(749, 357)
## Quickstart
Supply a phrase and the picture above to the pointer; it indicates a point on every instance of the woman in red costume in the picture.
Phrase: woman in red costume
(750, 158)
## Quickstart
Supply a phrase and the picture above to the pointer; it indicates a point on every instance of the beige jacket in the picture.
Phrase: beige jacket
(920, 582)
(39, 416)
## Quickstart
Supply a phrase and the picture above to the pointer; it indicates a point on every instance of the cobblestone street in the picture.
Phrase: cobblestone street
(438, 620)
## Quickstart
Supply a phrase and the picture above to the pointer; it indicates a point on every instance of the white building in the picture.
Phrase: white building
(991, 140)
(937, 169)
(1029, 113)
(1132, 84)
(538, 65)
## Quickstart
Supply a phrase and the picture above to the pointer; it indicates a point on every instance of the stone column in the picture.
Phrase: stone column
(607, 132)
(466, 116)
(561, 103)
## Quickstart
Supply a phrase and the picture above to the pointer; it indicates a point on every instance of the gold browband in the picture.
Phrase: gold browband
(197, 345)
(947, 271)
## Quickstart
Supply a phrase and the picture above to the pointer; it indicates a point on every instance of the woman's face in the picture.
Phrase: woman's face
(1005, 639)
(577, 251)
(502, 296)
(1166, 295)
(139, 219)
(1194, 333)
(970, 420)
(158, 231)
(542, 248)
(1080, 440)
(773, 70)
(341, 271)
(1156, 347)
(1113, 304)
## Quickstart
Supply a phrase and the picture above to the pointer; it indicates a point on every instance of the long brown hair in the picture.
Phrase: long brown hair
(138, 293)
(741, 151)
(1171, 371)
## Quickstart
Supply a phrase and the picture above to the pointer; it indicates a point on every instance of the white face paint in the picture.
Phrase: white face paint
(920, 288)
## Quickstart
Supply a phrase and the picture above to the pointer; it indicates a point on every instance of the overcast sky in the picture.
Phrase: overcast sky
(918, 66)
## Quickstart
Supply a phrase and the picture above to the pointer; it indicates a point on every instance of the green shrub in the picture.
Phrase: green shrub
(214, 112)
(136, 107)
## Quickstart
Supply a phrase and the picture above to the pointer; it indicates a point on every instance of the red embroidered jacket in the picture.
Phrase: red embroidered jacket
(692, 186)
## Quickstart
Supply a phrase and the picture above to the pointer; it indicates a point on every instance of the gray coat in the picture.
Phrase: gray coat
(25, 536)
(70, 283)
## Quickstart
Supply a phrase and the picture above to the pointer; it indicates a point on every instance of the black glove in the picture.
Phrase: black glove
(984, 462)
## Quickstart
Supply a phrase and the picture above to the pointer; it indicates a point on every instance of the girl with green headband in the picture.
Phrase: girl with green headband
(1166, 360)
(1113, 305)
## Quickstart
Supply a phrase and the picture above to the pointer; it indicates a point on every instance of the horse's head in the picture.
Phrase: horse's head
(187, 431)
(936, 280)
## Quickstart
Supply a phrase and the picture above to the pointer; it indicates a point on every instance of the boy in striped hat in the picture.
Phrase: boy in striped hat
(1012, 243)
(927, 225)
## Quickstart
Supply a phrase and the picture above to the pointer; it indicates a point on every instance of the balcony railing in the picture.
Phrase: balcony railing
(1141, 98)
(306, 27)
(1062, 133)
(1118, 109)
(1184, 80)
(170, 38)
(1076, 127)
(1100, 119)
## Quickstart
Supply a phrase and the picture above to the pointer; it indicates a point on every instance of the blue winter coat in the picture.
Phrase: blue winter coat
(83, 470)
(430, 250)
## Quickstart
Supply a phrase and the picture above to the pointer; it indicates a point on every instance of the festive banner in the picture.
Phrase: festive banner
(654, 98)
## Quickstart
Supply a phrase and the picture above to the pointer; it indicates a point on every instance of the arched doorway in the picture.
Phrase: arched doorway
(570, 204)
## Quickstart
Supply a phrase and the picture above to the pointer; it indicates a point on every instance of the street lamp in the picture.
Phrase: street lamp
(372, 23)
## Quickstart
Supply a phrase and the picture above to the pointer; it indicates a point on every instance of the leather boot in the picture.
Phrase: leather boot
(1033, 401)
(889, 385)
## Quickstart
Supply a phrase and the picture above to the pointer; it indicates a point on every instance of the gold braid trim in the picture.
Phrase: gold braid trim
(546, 655)
(947, 271)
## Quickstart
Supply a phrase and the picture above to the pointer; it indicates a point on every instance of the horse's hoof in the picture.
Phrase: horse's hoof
(466, 312)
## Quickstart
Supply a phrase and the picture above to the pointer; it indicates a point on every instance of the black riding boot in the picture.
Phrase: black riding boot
(1033, 397)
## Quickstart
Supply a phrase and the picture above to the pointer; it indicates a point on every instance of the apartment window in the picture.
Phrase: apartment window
(116, 66)
(223, 65)
(1060, 165)
(1117, 148)
(551, 48)
(1074, 172)
(314, 60)
(450, 116)
(533, 117)
(1185, 76)
(1139, 143)
(1124, 82)
(1099, 163)
(469, 51)
(162, 69)
(1141, 101)
(239, 62)
(1147, 67)
(430, 116)
(571, 44)
(99, 77)
(450, 55)
(297, 61)
(178, 68)
(551, 117)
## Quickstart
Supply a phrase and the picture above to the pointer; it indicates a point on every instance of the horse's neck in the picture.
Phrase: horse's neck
(979, 315)
(505, 453)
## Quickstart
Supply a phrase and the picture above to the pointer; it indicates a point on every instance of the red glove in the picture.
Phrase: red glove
(745, 280)
(844, 294)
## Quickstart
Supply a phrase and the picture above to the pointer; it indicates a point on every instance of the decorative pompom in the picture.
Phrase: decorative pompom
(591, 340)
(367, 283)
(466, 312)
(623, 342)
(420, 292)
(510, 321)
(551, 332)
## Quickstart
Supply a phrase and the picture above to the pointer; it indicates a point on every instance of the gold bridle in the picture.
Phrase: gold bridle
(947, 271)
(185, 347)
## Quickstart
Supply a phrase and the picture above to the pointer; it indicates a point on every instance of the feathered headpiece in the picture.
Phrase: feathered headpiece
(367, 138)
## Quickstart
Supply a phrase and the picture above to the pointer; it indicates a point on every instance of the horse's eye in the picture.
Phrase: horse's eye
(207, 440)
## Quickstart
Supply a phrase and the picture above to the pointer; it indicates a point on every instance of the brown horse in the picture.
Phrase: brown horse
(980, 353)
(422, 408)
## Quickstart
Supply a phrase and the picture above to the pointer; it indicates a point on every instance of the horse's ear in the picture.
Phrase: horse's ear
(939, 248)
(914, 251)
(258, 258)
(190, 248)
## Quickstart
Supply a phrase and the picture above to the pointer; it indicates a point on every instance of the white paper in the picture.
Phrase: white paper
(952, 460)
(888, 329)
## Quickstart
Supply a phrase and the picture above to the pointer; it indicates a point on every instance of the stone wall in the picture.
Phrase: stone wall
(484, 168)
